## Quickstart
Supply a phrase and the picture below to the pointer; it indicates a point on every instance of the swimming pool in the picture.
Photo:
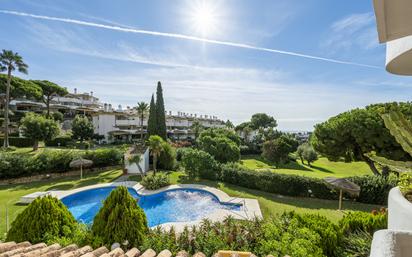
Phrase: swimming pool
(176, 205)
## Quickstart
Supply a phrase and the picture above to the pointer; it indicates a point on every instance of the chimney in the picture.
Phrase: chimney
(91, 93)
(170, 113)
(110, 107)
(120, 107)
(75, 91)
(105, 107)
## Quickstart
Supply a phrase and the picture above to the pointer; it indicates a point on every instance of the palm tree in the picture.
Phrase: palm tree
(136, 159)
(10, 61)
(142, 109)
(156, 147)
(196, 127)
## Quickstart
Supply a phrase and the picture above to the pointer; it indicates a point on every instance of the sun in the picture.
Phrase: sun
(203, 17)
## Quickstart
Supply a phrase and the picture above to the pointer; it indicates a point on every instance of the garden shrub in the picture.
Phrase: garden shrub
(357, 244)
(13, 165)
(292, 185)
(120, 219)
(363, 221)
(62, 141)
(198, 163)
(104, 157)
(221, 148)
(374, 189)
(19, 141)
(45, 217)
(180, 152)
(153, 182)
(167, 158)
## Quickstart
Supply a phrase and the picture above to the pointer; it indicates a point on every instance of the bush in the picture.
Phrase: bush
(374, 189)
(19, 141)
(272, 182)
(167, 158)
(363, 221)
(180, 152)
(198, 163)
(120, 219)
(14, 165)
(45, 217)
(153, 182)
(221, 148)
(356, 244)
(59, 141)
(104, 157)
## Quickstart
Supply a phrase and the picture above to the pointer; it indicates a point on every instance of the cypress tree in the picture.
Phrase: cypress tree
(152, 121)
(160, 110)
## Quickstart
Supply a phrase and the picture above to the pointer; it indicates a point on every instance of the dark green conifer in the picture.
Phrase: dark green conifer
(160, 110)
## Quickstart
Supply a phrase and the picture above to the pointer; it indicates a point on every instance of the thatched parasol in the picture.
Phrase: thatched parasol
(345, 185)
(80, 163)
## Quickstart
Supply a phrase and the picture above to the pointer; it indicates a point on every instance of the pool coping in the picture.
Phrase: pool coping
(250, 207)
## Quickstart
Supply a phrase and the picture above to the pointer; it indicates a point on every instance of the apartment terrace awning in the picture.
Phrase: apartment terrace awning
(394, 23)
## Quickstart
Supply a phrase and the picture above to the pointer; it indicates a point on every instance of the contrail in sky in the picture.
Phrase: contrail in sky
(185, 37)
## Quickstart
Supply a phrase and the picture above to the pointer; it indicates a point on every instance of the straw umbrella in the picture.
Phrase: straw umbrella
(343, 185)
(80, 163)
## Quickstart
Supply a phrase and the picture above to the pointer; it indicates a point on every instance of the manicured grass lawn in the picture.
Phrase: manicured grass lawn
(10, 194)
(272, 204)
(320, 168)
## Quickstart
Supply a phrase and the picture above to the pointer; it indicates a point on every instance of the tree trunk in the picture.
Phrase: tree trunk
(371, 165)
(35, 145)
(6, 109)
(48, 106)
(301, 159)
(154, 164)
(141, 127)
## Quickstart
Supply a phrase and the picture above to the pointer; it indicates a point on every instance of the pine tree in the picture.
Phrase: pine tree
(160, 110)
(152, 121)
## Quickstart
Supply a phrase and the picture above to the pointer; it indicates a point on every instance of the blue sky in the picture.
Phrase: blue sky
(120, 49)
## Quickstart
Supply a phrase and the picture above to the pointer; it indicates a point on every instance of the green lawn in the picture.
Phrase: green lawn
(10, 194)
(272, 204)
(320, 168)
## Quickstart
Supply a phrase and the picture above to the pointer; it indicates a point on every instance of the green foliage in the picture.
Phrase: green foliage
(57, 116)
(49, 90)
(156, 146)
(152, 121)
(198, 163)
(63, 141)
(39, 128)
(180, 152)
(351, 135)
(277, 150)
(167, 157)
(363, 221)
(221, 148)
(160, 112)
(208, 238)
(405, 183)
(14, 165)
(374, 189)
(104, 157)
(153, 182)
(19, 141)
(310, 155)
(196, 127)
(357, 244)
(272, 182)
(20, 88)
(262, 120)
(45, 217)
(142, 109)
(120, 219)
(82, 128)
(220, 132)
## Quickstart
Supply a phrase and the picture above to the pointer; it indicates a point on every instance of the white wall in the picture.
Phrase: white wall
(143, 164)
(103, 123)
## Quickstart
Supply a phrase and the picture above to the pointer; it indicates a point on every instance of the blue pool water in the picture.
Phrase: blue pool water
(169, 206)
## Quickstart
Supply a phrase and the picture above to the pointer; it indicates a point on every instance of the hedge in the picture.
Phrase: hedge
(19, 141)
(272, 182)
(14, 165)
(59, 141)
(374, 189)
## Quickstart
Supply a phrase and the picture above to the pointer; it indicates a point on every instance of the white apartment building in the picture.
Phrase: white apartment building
(126, 125)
